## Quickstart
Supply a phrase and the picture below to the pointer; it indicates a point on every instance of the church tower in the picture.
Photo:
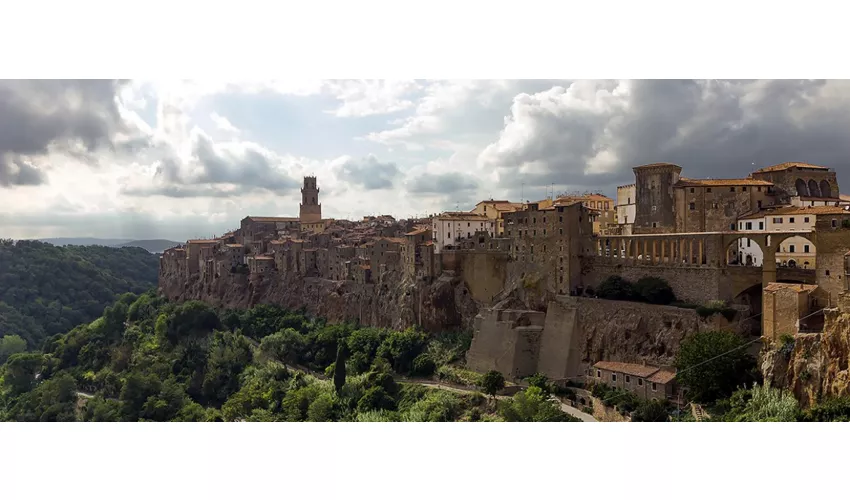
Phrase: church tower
(310, 209)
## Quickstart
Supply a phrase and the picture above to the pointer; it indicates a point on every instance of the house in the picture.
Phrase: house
(642, 380)
(792, 308)
(451, 227)
(493, 209)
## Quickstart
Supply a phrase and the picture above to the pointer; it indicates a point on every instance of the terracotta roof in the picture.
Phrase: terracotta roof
(633, 369)
(844, 197)
(508, 206)
(461, 216)
(236, 245)
(787, 165)
(491, 201)
(650, 165)
(789, 210)
(662, 377)
(416, 231)
(721, 182)
(797, 287)
(202, 242)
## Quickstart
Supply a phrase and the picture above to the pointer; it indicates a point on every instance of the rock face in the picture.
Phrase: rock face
(815, 366)
(444, 304)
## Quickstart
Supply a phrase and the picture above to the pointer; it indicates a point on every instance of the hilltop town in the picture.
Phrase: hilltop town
(766, 255)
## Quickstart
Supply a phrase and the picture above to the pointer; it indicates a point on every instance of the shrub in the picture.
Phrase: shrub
(532, 405)
(654, 290)
(436, 406)
(375, 398)
(763, 404)
(401, 348)
(835, 409)
(713, 364)
(492, 382)
(455, 375)
(654, 410)
(616, 288)
(540, 381)
(423, 365)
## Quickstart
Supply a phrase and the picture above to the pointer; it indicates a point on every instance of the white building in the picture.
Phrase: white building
(626, 198)
(451, 227)
(795, 251)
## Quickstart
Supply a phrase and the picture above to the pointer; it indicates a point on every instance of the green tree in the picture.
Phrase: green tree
(402, 348)
(655, 290)
(763, 404)
(616, 288)
(653, 410)
(540, 381)
(21, 370)
(11, 344)
(713, 364)
(287, 346)
(492, 382)
(532, 405)
(339, 367)
(229, 354)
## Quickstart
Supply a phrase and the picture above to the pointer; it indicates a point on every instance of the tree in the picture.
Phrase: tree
(11, 344)
(713, 364)
(763, 404)
(532, 405)
(492, 382)
(653, 410)
(540, 381)
(616, 288)
(401, 348)
(339, 367)
(655, 290)
(20, 371)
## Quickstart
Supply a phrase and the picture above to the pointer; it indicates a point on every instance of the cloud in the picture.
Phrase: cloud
(223, 124)
(591, 133)
(371, 97)
(368, 172)
(441, 184)
(41, 115)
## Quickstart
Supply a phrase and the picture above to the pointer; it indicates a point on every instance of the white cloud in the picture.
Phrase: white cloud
(372, 97)
(223, 124)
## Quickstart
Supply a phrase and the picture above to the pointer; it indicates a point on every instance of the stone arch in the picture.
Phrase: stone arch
(802, 189)
(798, 254)
(742, 249)
(825, 189)
(814, 190)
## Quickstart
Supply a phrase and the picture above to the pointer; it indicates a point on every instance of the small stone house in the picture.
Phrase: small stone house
(645, 381)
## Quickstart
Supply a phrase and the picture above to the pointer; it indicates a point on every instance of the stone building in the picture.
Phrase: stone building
(710, 205)
(796, 179)
(493, 209)
(310, 210)
(449, 228)
(626, 196)
(338, 256)
(606, 212)
(197, 252)
(234, 255)
(644, 381)
(256, 229)
(792, 308)
(549, 243)
(260, 264)
(655, 198)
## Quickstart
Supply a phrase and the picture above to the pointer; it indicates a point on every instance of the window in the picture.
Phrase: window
(744, 189)
(761, 226)
(544, 232)
(748, 243)
(805, 248)
(544, 248)
(791, 248)
(598, 374)
(759, 202)
(628, 379)
(827, 272)
(467, 224)
(613, 377)
(544, 220)
(707, 190)
(607, 206)
(749, 226)
(628, 201)
(693, 206)
(806, 220)
(791, 220)
(777, 220)
(640, 382)
(834, 223)
(534, 220)
(692, 190)
(561, 231)
(759, 192)
(534, 233)
(732, 189)
(732, 227)
(654, 224)
(654, 387)
(561, 219)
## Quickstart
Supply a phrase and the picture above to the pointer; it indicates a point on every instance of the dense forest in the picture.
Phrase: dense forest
(47, 289)
(146, 359)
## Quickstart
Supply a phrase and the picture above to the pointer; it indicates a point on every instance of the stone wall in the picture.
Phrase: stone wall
(690, 284)
(483, 271)
(716, 208)
(578, 332)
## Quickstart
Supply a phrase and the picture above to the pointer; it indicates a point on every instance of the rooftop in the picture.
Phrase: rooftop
(653, 165)
(273, 219)
(790, 210)
(662, 376)
(790, 164)
(416, 232)
(202, 242)
(684, 182)
(632, 369)
(797, 287)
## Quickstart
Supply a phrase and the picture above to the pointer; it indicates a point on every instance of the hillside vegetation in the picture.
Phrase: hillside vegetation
(146, 359)
(47, 289)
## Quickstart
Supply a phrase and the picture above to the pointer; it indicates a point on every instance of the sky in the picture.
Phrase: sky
(176, 159)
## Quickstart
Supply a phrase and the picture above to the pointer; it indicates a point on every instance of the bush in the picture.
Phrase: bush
(375, 398)
(455, 375)
(532, 405)
(401, 348)
(616, 288)
(492, 382)
(763, 404)
(835, 409)
(655, 291)
(423, 365)
(540, 381)
(713, 365)
(654, 410)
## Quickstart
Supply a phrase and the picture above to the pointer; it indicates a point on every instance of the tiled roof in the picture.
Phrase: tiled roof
(683, 182)
(790, 210)
(491, 201)
(633, 369)
(662, 164)
(416, 231)
(662, 377)
(202, 242)
(273, 219)
(787, 165)
(797, 287)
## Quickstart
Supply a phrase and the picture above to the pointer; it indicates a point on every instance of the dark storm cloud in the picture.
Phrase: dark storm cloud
(368, 173)
(592, 133)
(35, 114)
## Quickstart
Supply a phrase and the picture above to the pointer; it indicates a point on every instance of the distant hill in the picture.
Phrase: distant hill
(152, 246)
(47, 289)
(107, 242)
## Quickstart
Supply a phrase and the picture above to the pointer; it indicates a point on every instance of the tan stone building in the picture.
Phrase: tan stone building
(647, 382)
(605, 207)
(711, 205)
(792, 308)
(797, 179)
(493, 209)
(626, 196)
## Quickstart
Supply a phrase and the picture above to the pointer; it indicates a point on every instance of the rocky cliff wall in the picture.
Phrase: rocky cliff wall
(442, 305)
(815, 366)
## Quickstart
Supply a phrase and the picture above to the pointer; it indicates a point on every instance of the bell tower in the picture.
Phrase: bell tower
(310, 208)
